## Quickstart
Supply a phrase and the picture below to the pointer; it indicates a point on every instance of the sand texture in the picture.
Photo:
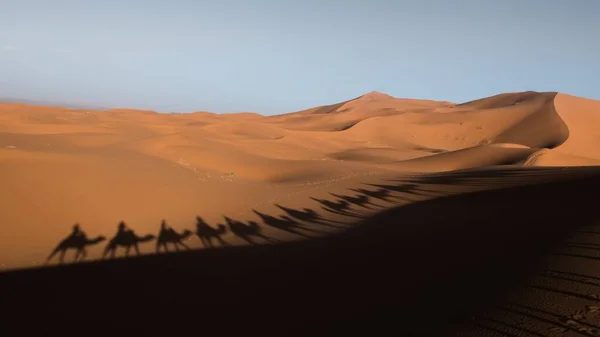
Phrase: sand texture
(355, 172)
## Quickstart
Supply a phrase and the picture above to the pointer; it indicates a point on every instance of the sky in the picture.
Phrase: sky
(279, 56)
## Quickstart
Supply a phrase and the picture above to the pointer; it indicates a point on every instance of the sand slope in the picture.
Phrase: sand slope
(581, 147)
(60, 166)
(413, 270)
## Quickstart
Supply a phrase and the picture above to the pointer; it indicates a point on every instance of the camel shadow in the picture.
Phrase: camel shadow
(247, 231)
(309, 215)
(127, 239)
(380, 193)
(407, 190)
(360, 200)
(401, 188)
(77, 240)
(168, 235)
(340, 207)
(206, 233)
(285, 223)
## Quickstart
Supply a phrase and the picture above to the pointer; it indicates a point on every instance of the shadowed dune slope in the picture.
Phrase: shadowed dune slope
(500, 101)
(417, 270)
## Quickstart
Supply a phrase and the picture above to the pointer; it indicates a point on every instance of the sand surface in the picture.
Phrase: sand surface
(290, 177)
(62, 166)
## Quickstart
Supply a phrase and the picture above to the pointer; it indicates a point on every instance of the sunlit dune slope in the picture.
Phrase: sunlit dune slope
(582, 147)
(377, 130)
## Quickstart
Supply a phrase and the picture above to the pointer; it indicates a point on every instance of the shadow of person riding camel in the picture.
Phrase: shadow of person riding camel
(360, 200)
(168, 235)
(310, 216)
(76, 240)
(285, 223)
(340, 207)
(125, 238)
(380, 193)
(206, 233)
(246, 232)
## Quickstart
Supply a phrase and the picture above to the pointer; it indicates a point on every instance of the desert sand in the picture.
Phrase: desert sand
(298, 176)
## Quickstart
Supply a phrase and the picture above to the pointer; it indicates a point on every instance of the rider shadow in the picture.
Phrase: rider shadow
(206, 233)
(168, 235)
(285, 223)
(125, 238)
(77, 240)
(309, 215)
(246, 232)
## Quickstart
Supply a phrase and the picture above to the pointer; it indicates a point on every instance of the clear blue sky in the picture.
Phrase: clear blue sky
(277, 56)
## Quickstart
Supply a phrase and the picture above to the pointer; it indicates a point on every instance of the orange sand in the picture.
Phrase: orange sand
(60, 166)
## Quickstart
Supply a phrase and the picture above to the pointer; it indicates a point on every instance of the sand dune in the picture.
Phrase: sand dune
(477, 156)
(98, 167)
(303, 176)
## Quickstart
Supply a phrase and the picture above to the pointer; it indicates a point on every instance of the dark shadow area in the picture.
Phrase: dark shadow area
(554, 323)
(474, 176)
(380, 193)
(360, 200)
(340, 207)
(423, 269)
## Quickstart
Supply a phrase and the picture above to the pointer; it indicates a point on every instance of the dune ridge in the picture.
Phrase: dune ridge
(348, 282)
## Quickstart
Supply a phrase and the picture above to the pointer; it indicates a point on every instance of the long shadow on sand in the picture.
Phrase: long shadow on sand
(248, 232)
(206, 233)
(380, 193)
(310, 216)
(126, 238)
(77, 241)
(339, 207)
(417, 270)
(360, 200)
(285, 223)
